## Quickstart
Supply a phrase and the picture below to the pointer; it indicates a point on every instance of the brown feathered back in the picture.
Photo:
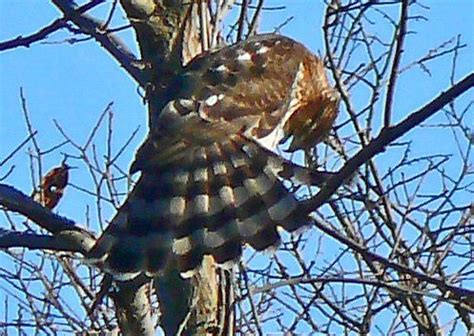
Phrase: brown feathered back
(209, 175)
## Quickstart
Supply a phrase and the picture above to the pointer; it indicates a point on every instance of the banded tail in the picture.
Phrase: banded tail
(212, 201)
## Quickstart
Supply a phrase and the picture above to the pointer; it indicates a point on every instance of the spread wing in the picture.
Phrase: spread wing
(268, 88)
(209, 180)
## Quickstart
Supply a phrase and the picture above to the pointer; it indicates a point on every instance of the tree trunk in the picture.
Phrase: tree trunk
(169, 34)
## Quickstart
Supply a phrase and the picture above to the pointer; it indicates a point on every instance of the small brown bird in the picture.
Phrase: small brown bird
(52, 186)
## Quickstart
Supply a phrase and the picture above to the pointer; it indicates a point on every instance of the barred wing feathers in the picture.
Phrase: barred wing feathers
(212, 202)
(209, 179)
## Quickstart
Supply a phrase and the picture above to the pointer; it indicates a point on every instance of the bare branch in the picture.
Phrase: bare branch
(24, 142)
(401, 33)
(14, 200)
(387, 136)
(10, 239)
(94, 28)
(26, 41)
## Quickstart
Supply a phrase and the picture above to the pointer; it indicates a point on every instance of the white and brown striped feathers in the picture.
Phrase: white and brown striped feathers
(209, 179)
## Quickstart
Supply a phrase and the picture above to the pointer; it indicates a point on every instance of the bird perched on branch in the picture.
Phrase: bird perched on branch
(210, 178)
(52, 186)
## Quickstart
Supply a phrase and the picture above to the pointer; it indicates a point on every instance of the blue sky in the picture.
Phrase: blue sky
(74, 83)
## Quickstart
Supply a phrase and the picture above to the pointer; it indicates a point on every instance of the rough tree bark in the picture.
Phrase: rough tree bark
(169, 35)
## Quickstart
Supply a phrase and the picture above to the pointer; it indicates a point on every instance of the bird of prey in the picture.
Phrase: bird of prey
(210, 173)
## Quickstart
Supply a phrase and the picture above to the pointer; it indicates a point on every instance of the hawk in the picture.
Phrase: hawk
(210, 176)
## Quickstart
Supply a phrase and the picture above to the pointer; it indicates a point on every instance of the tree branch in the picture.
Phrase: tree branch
(131, 299)
(33, 241)
(132, 305)
(387, 136)
(95, 28)
(402, 30)
(26, 41)
(363, 250)
(41, 34)
(78, 239)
